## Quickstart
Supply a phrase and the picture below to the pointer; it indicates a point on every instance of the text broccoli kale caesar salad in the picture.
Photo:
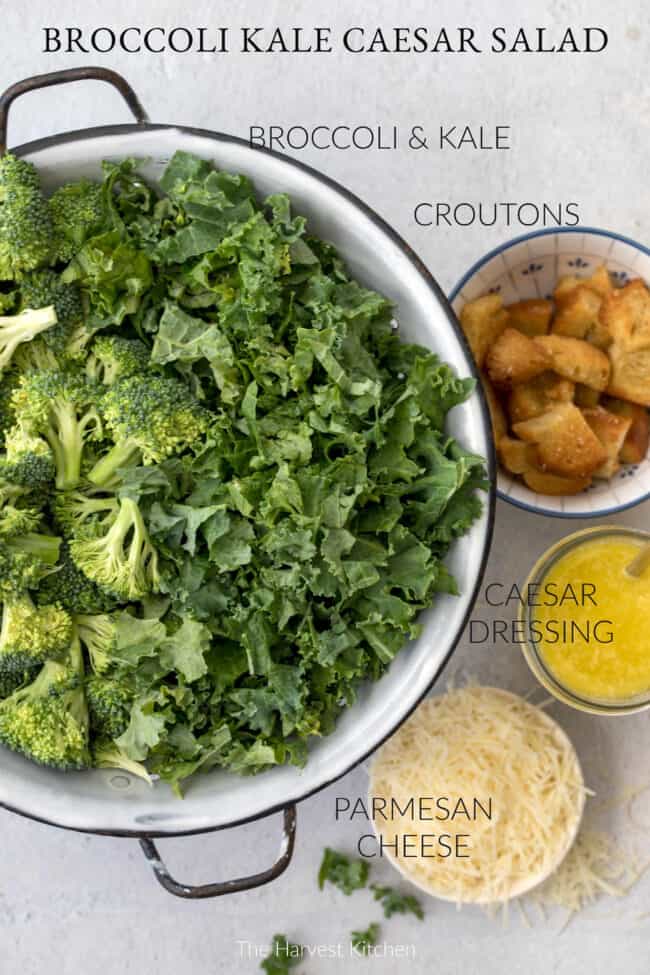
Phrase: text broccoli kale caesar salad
(226, 485)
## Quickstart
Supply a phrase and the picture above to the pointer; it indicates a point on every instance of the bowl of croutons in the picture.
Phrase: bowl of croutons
(559, 326)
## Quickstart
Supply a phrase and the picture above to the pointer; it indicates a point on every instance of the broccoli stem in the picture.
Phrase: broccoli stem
(6, 623)
(77, 703)
(115, 538)
(121, 455)
(106, 754)
(87, 507)
(45, 547)
(140, 544)
(15, 329)
(66, 437)
(128, 522)
(76, 655)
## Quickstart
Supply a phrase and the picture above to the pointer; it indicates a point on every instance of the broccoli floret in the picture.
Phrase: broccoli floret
(16, 521)
(75, 512)
(8, 299)
(76, 210)
(25, 560)
(26, 555)
(33, 357)
(30, 634)
(106, 754)
(97, 634)
(70, 587)
(15, 329)
(11, 680)
(9, 380)
(72, 334)
(12, 494)
(152, 417)
(20, 570)
(47, 721)
(113, 358)
(28, 460)
(109, 706)
(41, 289)
(123, 560)
(26, 230)
(62, 407)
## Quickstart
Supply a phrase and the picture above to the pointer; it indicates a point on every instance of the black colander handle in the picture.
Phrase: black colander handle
(91, 73)
(222, 887)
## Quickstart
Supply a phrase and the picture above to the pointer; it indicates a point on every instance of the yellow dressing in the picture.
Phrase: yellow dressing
(594, 668)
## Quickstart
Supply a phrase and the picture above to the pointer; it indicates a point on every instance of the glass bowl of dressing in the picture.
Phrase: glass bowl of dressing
(583, 621)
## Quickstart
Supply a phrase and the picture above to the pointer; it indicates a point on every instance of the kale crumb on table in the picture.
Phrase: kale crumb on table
(226, 487)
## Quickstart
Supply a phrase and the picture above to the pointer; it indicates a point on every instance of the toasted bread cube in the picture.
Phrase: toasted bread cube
(566, 444)
(578, 317)
(565, 285)
(482, 321)
(532, 316)
(600, 282)
(517, 456)
(514, 358)
(611, 429)
(530, 399)
(626, 315)
(637, 440)
(497, 414)
(544, 483)
(577, 312)
(576, 360)
(599, 336)
(585, 397)
(630, 377)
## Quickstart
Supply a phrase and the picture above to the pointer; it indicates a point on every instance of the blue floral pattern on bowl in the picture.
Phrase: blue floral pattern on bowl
(529, 267)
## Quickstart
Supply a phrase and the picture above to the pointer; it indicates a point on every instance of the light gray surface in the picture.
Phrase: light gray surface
(580, 132)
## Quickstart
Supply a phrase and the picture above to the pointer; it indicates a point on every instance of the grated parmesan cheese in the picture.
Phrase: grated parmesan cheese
(593, 866)
(487, 744)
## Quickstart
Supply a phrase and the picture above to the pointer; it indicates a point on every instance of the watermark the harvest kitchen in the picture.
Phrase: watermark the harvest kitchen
(251, 951)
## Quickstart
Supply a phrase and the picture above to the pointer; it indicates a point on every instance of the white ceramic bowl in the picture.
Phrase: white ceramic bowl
(104, 801)
(528, 267)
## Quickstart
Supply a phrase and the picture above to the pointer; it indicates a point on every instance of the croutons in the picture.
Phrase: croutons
(578, 317)
(585, 397)
(482, 321)
(530, 399)
(626, 314)
(600, 282)
(576, 360)
(564, 285)
(637, 439)
(577, 312)
(611, 429)
(497, 415)
(566, 444)
(630, 377)
(532, 317)
(544, 483)
(567, 381)
(514, 358)
(517, 456)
